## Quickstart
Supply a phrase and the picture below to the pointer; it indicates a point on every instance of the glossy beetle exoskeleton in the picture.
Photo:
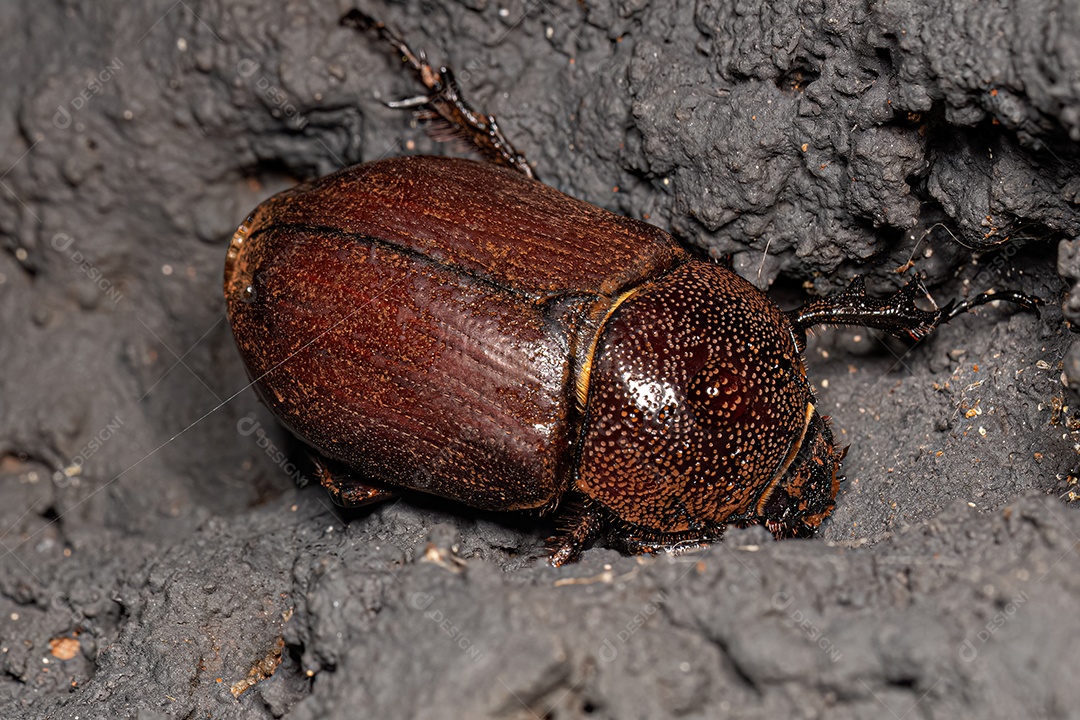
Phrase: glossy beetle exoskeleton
(464, 330)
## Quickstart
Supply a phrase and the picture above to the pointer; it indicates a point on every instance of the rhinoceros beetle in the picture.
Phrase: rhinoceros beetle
(461, 329)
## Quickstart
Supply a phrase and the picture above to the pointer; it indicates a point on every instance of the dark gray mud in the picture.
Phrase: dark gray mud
(178, 568)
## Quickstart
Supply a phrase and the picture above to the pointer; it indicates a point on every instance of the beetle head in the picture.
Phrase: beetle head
(804, 493)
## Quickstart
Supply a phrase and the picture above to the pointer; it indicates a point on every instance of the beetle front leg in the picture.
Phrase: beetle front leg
(578, 527)
(897, 315)
(444, 100)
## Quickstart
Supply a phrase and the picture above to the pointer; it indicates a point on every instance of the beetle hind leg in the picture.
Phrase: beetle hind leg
(345, 489)
(444, 101)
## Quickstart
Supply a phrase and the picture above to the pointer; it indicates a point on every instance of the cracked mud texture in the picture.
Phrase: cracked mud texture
(178, 569)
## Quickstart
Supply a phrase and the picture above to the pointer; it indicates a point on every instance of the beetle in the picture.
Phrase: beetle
(461, 329)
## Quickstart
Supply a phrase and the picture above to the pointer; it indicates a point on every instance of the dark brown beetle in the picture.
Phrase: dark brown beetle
(461, 329)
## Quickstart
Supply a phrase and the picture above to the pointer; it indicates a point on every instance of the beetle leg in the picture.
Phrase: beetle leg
(409, 103)
(897, 314)
(578, 527)
(672, 543)
(347, 491)
(444, 100)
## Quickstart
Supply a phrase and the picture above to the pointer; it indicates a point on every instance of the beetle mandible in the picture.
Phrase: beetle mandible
(461, 329)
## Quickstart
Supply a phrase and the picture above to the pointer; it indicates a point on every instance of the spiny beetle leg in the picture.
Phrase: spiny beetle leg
(578, 526)
(445, 102)
(641, 541)
(897, 315)
(589, 521)
(672, 544)
(347, 491)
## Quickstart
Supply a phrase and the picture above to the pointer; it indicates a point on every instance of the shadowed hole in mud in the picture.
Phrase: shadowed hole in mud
(796, 79)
